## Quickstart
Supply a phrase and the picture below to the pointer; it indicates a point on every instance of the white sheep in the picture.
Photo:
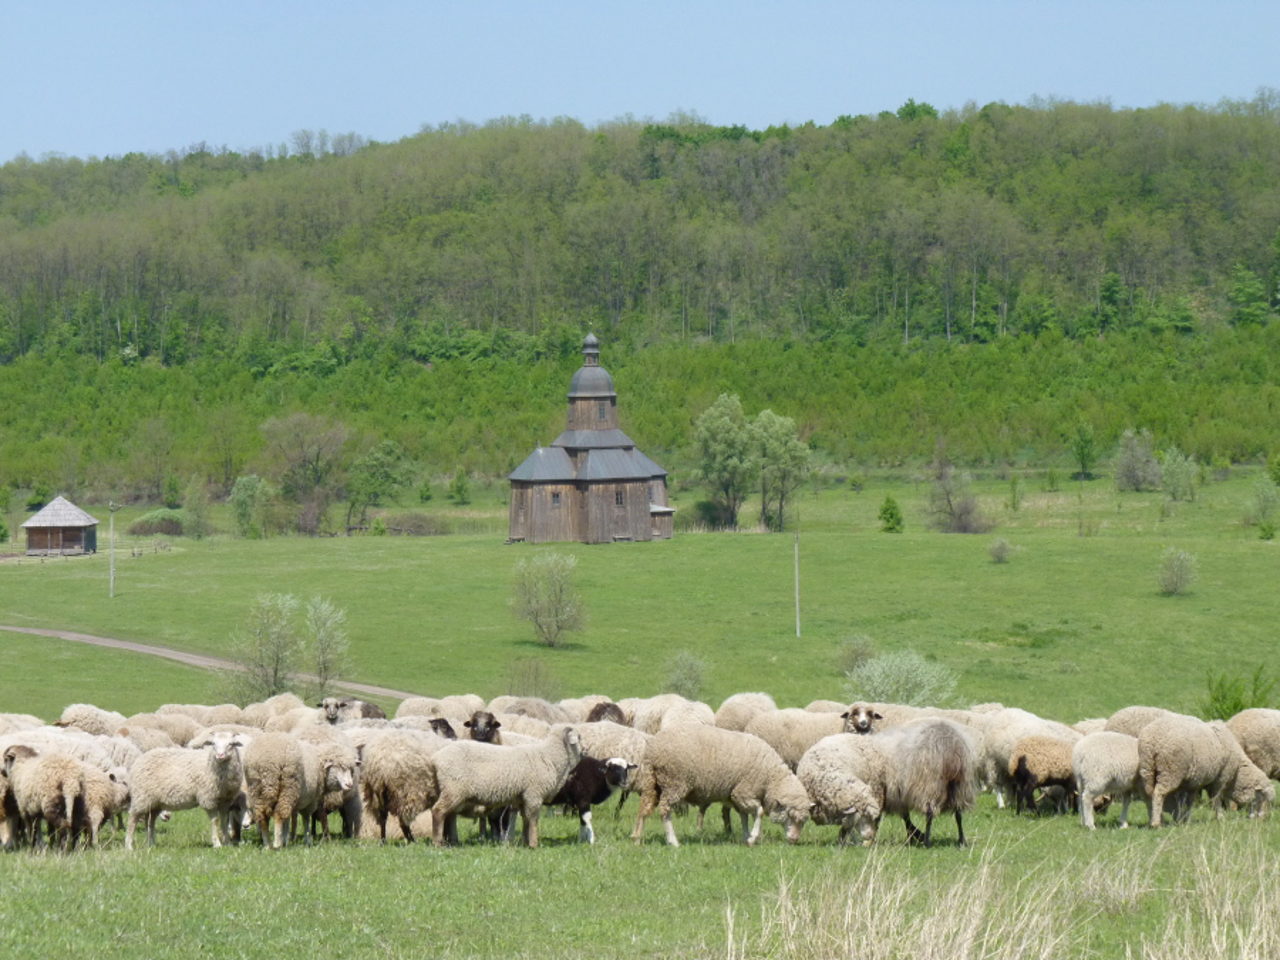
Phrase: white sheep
(579, 708)
(491, 776)
(702, 764)
(737, 710)
(105, 795)
(926, 766)
(651, 714)
(1184, 755)
(454, 708)
(1258, 731)
(91, 719)
(829, 771)
(997, 732)
(257, 714)
(1106, 763)
(535, 707)
(43, 787)
(792, 731)
(1131, 720)
(181, 778)
(341, 761)
(178, 727)
(287, 778)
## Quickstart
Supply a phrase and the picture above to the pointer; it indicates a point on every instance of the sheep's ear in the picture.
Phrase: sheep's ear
(876, 716)
(496, 724)
(467, 724)
(845, 715)
(239, 740)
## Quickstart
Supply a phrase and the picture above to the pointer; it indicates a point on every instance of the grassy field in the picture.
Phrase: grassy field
(1072, 626)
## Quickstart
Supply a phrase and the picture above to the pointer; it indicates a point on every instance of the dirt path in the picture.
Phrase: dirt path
(191, 659)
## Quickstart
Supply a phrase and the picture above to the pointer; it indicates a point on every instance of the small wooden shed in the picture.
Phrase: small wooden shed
(61, 528)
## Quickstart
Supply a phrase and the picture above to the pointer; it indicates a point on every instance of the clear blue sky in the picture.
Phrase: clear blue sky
(104, 78)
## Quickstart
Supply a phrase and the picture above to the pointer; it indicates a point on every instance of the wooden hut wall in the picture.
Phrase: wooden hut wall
(606, 521)
(46, 540)
(548, 521)
(585, 414)
(663, 525)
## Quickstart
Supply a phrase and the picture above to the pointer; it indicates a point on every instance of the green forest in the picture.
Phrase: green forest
(988, 278)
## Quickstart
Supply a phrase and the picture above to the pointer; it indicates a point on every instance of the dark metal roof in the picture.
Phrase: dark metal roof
(545, 464)
(592, 439)
(591, 381)
(647, 465)
(611, 465)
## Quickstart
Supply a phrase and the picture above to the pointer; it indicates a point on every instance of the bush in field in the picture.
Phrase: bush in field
(1262, 502)
(890, 516)
(163, 521)
(544, 594)
(1000, 550)
(1178, 475)
(1136, 467)
(4, 530)
(288, 645)
(1178, 572)
(195, 508)
(853, 652)
(1228, 694)
(952, 506)
(413, 524)
(902, 676)
(685, 675)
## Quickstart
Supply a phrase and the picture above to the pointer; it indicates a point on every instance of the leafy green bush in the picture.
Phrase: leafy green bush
(163, 521)
(1000, 550)
(902, 676)
(1177, 475)
(4, 530)
(460, 488)
(1178, 572)
(544, 593)
(890, 516)
(1228, 694)
(685, 675)
(172, 492)
(378, 528)
(40, 496)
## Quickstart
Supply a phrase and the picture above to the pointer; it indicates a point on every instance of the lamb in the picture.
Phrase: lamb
(737, 710)
(479, 773)
(998, 733)
(398, 778)
(1106, 763)
(927, 766)
(591, 783)
(1038, 762)
(105, 794)
(342, 792)
(180, 778)
(703, 764)
(1258, 731)
(44, 786)
(793, 731)
(1186, 755)
(337, 709)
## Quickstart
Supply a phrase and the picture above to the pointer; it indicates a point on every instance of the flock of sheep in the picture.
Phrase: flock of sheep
(285, 768)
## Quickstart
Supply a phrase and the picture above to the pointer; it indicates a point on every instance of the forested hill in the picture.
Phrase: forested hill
(966, 226)
(990, 277)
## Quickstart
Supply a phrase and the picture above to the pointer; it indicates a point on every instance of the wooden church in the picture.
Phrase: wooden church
(591, 485)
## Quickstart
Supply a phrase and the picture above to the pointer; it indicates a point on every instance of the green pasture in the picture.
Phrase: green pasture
(1072, 626)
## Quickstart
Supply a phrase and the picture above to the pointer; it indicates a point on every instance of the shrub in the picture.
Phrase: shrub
(1136, 467)
(196, 508)
(1051, 480)
(852, 653)
(172, 492)
(1267, 530)
(952, 507)
(1000, 550)
(40, 496)
(1262, 501)
(902, 676)
(162, 521)
(378, 528)
(544, 594)
(1014, 503)
(460, 488)
(890, 516)
(1221, 468)
(4, 530)
(1178, 475)
(1178, 572)
(1229, 694)
(685, 675)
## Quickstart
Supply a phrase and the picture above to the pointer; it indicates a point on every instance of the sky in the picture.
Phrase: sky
(95, 79)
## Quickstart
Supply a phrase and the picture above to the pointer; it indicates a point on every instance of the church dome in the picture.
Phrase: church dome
(591, 380)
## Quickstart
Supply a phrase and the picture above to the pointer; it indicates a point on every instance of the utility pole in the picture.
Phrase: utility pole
(797, 586)
(113, 507)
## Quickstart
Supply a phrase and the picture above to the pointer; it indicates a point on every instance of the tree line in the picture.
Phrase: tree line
(1053, 217)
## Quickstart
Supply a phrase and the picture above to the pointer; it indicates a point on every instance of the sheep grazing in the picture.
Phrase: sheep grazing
(456, 708)
(1105, 763)
(535, 707)
(1038, 762)
(590, 783)
(494, 776)
(1131, 720)
(829, 771)
(45, 787)
(338, 709)
(998, 733)
(926, 766)
(702, 764)
(652, 714)
(1258, 731)
(1184, 755)
(91, 719)
(105, 795)
(181, 778)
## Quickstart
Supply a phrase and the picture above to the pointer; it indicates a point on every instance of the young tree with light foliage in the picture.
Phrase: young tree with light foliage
(282, 640)
(375, 479)
(325, 626)
(725, 461)
(544, 593)
(782, 461)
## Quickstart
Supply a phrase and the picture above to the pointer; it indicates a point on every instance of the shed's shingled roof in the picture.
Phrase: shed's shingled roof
(60, 512)
(543, 465)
